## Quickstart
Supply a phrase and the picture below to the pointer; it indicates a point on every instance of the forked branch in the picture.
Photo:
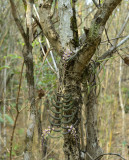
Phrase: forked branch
(94, 36)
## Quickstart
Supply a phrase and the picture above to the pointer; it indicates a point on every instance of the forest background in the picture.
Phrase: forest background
(112, 85)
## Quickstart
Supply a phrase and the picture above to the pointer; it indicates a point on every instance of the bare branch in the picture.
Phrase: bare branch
(105, 57)
(114, 154)
(17, 21)
(122, 28)
(3, 37)
(46, 58)
(123, 41)
(114, 46)
(94, 1)
(113, 39)
(104, 27)
(94, 36)
(54, 62)
(38, 23)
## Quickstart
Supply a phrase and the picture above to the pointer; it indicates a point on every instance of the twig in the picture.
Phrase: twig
(111, 154)
(46, 58)
(51, 150)
(3, 143)
(95, 3)
(37, 21)
(54, 10)
(109, 53)
(36, 12)
(22, 109)
(108, 37)
(122, 28)
(113, 39)
(18, 156)
(123, 41)
(124, 48)
(15, 122)
(89, 13)
(42, 64)
(54, 62)
(10, 99)
(114, 46)
(3, 37)
(89, 155)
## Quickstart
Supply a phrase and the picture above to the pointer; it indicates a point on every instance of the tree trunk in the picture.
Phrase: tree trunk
(4, 109)
(71, 139)
(45, 124)
(93, 149)
(122, 107)
(28, 59)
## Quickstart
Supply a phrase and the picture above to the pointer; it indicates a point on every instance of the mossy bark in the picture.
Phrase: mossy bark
(93, 150)
(72, 140)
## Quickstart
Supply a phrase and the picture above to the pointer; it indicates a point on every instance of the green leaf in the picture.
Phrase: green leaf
(124, 143)
(9, 119)
(13, 153)
(21, 131)
(101, 1)
(16, 147)
(21, 43)
(3, 67)
(1, 119)
(14, 56)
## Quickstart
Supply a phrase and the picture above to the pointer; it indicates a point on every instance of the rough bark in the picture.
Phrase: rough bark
(65, 14)
(93, 149)
(73, 69)
(72, 141)
(47, 25)
(69, 41)
(66, 39)
(28, 59)
(86, 52)
(92, 146)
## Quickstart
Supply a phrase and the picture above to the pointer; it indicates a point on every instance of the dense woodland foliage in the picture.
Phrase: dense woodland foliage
(38, 75)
